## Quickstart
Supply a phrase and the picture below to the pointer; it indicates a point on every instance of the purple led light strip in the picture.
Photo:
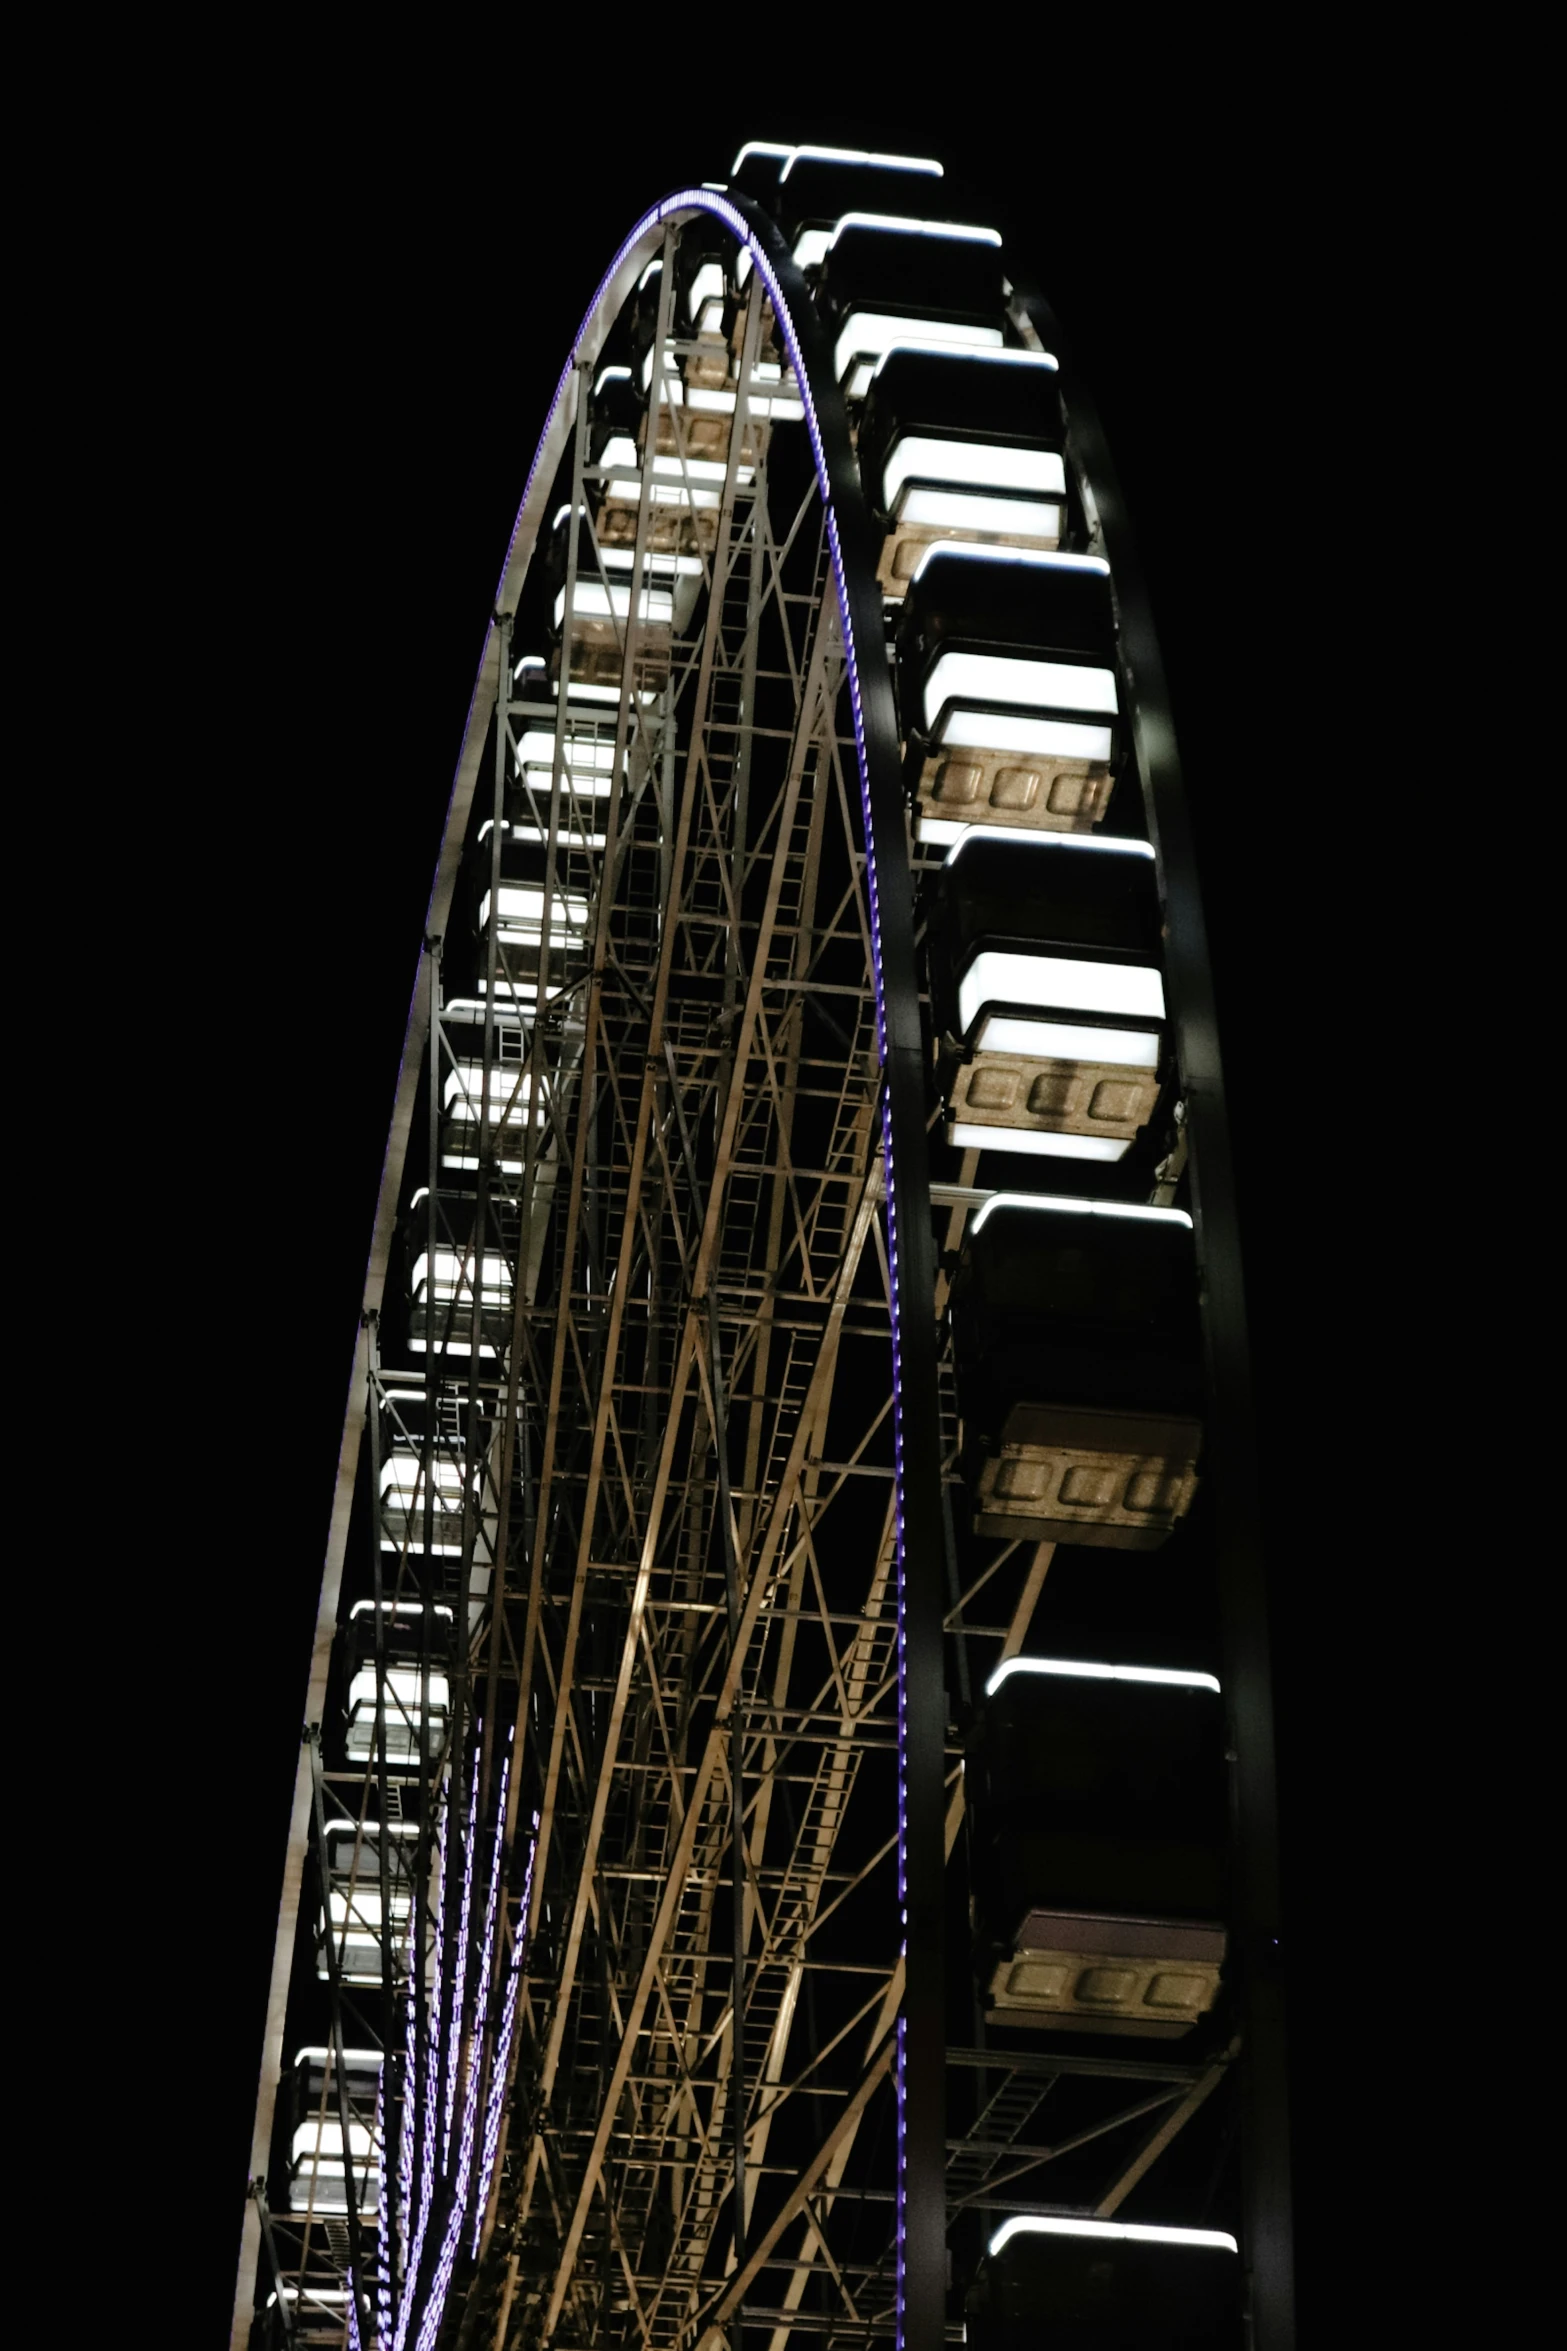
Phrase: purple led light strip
(440, 2284)
(497, 2100)
(415, 2248)
(460, 1972)
(383, 2254)
(440, 2088)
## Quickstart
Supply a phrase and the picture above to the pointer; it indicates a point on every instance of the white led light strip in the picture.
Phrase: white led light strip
(1125, 2232)
(1074, 1670)
(1049, 1204)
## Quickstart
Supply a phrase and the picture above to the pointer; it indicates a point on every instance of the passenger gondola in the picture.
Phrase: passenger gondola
(1047, 995)
(1078, 1357)
(1096, 1798)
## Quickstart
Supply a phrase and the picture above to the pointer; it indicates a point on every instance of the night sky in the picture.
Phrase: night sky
(380, 363)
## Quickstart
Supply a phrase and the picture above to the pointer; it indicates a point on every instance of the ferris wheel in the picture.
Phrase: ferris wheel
(784, 1840)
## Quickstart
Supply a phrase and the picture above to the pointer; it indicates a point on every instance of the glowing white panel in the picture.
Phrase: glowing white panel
(1073, 1669)
(362, 1908)
(595, 751)
(925, 163)
(1127, 2232)
(656, 567)
(522, 912)
(718, 401)
(672, 389)
(941, 830)
(1100, 846)
(868, 333)
(620, 452)
(964, 510)
(964, 232)
(567, 831)
(403, 1687)
(926, 457)
(604, 600)
(401, 1476)
(1034, 558)
(706, 286)
(1054, 1040)
(1054, 1204)
(811, 249)
(343, 1833)
(1063, 982)
(758, 147)
(612, 375)
(1031, 1144)
(1039, 738)
(814, 245)
(318, 2137)
(1005, 677)
(454, 1274)
(396, 1608)
(1044, 359)
(509, 1088)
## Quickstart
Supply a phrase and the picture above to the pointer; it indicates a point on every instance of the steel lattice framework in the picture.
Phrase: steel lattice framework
(618, 1897)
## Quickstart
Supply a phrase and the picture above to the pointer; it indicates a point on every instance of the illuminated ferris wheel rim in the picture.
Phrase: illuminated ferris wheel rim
(879, 760)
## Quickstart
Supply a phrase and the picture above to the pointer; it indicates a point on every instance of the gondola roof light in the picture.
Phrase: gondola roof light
(997, 832)
(930, 457)
(1014, 678)
(925, 163)
(1041, 558)
(398, 1608)
(814, 244)
(1046, 359)
(405, 1469)
(1066, 1041)
(1073, 1669)
(538, 750)
(1059, 983)
(1056, 1204)
(862, 339)
(973, 232)
(1034, 1143)
(1128, 2232)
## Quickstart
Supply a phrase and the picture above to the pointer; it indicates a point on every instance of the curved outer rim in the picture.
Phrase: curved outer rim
(1231, 1441)
(908, 1194)
(923, 1706)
